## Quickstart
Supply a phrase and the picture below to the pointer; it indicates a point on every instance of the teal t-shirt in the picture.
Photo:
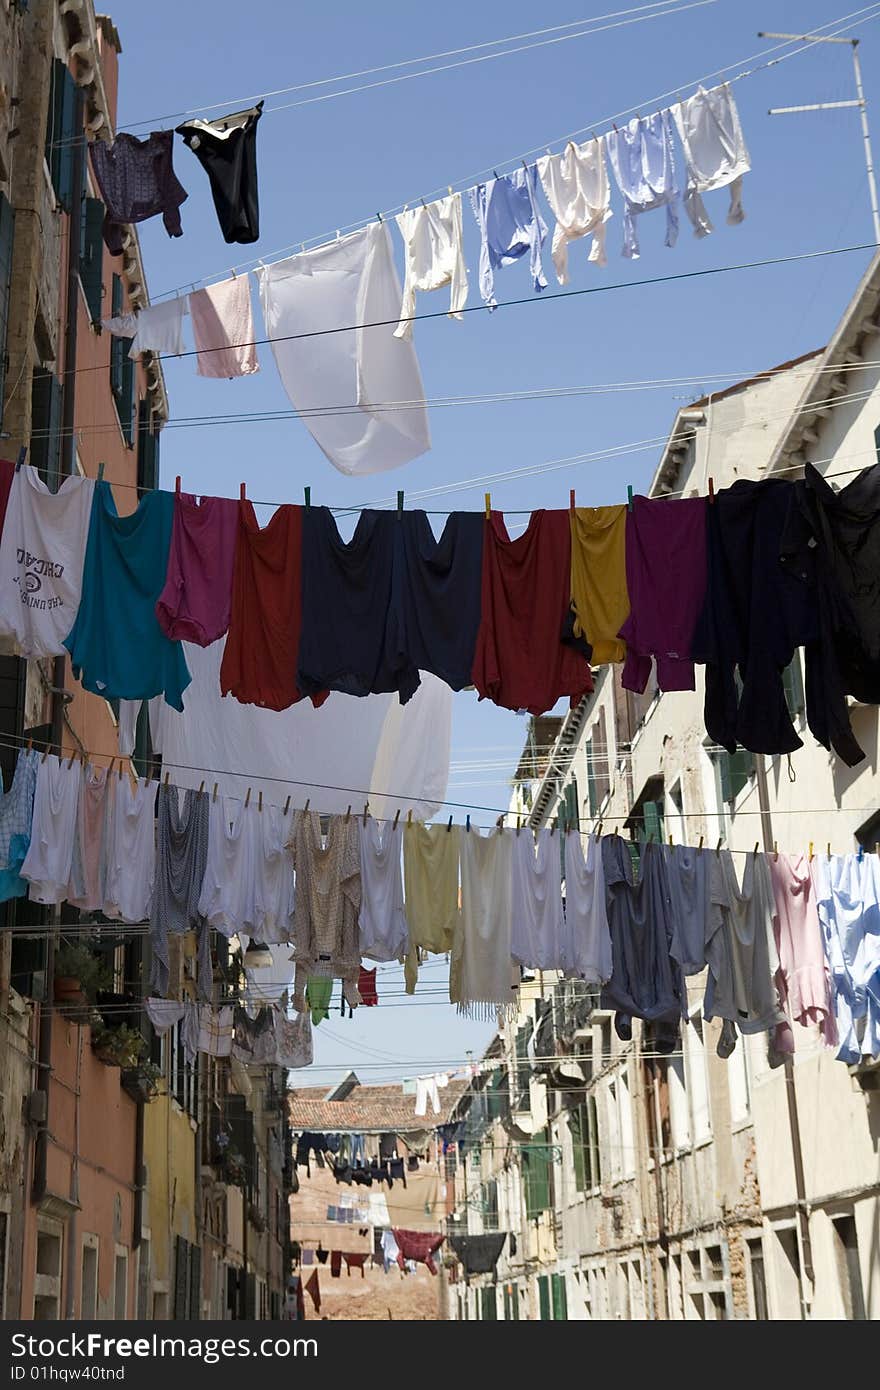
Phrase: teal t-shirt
(116, 645)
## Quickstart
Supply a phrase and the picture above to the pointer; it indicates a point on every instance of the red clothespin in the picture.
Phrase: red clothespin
(177, 485)
(242, 492)
(711, 489)
(571, 500)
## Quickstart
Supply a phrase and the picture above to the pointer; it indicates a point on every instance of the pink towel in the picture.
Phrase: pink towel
(223, 328)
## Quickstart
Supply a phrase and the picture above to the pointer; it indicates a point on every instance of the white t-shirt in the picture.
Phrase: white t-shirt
(42, 552)
(383, 928)
(131, 852)
(536, 924)
(228, 897)
(274, 876)
(49, 859)
(488, 979)
(587, 941)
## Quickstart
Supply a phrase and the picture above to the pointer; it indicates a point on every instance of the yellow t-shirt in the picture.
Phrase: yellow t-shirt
(430, 875)
(598, 579)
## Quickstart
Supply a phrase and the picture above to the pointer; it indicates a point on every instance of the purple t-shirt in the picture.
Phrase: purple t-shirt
(196, 602)
(666, 579)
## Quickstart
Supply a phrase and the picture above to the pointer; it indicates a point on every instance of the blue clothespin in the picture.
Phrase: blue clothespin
(629, 496)
(861, 853)
(400, 504)
(22, 455)
(467, 823)
(307, 493)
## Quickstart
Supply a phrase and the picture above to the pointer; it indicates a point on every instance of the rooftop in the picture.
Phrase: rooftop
(372, 1109)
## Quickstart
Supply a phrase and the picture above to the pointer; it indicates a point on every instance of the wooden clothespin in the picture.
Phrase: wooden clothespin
(214, 795)
(348, 815)
(307, 494)
(757, 847)
(366, 811)
(670, 842)
(711, 490)
(45, 754)
(467, 825)
(71, 760)
(518, 824)
(399, 505)
(177, 486)
(449, 826)
(409, 816)
(242, 492)
(121, 768)
(247, 799)
(775, 851)
(553, 827)
(629, 496)
(719, 844)
(259, 800)
(379, 216)
(598, 830)
(201, 788)
(828, 850)
(100, 472)
(811, 851)
(22, 455)
(167, 778)
(287, 806)
(396, 818)
(488, 505)
(571, 500)
(305, 808)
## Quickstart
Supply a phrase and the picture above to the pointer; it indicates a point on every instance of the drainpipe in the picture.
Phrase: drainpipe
(68, 408)
(794, 1125)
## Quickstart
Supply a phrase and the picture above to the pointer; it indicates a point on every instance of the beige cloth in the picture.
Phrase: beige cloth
(430, 872)
(326, 939)
(418, 1206)
(223, 329)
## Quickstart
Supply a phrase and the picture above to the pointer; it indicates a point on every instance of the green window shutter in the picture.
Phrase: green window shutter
(572, 808)
(592, 787)
(792, 682)
(61, 132)
(7, 232)
(536, 1172)
(560, 1301)
(514, 1303)
(91, 256)
(46, 426)
(576, 1121)
(195, 1283)
(121, 369)
(544, 1309)
(148, 450)
(594, 1165)
(489, 1310)
(652, 815)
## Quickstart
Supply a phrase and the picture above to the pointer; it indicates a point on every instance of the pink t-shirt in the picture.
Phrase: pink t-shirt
(802, 978)
(196, 602)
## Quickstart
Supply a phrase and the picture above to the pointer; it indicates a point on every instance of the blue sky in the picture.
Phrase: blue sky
(336, 162)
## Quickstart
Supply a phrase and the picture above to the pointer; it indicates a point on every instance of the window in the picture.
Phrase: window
(91, 256)
(121, 369)
(788, 1274)
(584, 1126)
(679, 1118)
(760, 1311)
(120, 1286)
(47, 1284)
(7, 236)
(613, 1130)
(627, 1141)
(488, 1304)
(698, 1086)
(511, 1303)
(601, 767)
(545, 1311)
(846, 1249)
(88, 1297)
(559, 1298)
(536, 1165)
(733, 771)
(62, 132)
(148, 449)
(46, 393)
(706, 1284)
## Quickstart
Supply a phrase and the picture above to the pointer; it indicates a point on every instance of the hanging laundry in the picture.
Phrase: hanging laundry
(428, 1088)
(16, 818)
(226, 148)
(164, 1014)
(433, 257)
(253, 1039)
(181, 855)
(262, 648)
(599, 597)
(488, 983)
(157, 328)
(697, 894)
(196, 601)
(378, 1210)
(537, 921)
(832, 543)
(337, 370)
(136, 180)
(268, 984)
(384, 934)
(430, 868)
(131, 852)
(848, 902)
(586, 939)
(328, 899)
(390, 1250)
(223, 329)
(643, 164)
(293, 1040)
(215, 1030)
(715, 153)
(520, 662)
(87, 889)
(42, 554)
(312, 1286)
(644, 981)
(579, 193)
(366, 985)
(408, 776)
(354, 580)
(438, 586)
(7, 474)
(49, 858)
(478, 1254)
(511, 226)
(419, 1246)
(274, 877)
(742, 956)
(803, 980)
(318, 992)
(117, 648)
(356, 1261)
(335, 1264)
(228, 895)
(666, 583)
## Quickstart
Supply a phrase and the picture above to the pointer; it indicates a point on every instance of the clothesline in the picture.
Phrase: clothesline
(836, 26)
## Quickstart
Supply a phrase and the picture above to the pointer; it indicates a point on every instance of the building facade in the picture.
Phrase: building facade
(637, 1186)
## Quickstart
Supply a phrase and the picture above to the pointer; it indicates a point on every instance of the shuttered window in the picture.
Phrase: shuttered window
(7, 234)
(147, 450)
(91, 256)
(45, 456)
(560, 1302)
(545, 1312)
(121, 369)
(536, 1177)
(61, 133)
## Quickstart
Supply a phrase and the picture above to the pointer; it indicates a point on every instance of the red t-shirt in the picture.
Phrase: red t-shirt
(262, 648)
(7, 473)
(521, 662)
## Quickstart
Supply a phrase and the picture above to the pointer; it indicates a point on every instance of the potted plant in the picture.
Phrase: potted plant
(234, 1168)
(122, 1047)
(79, 974)
(142, 1081)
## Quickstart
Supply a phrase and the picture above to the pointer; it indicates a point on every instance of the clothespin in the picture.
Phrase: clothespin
(629, 496)
(72, 760)
(811, 851)
(488, 505)
(719, 844)
(247, 799)
(860, 856)
(45, 754)
(201, 788)
(670, 842)
(598, 830)
(121, 767)
(496, 173)
(242, 492)
(711, 491)
(518, 824)
(449, 826)
(828, 850)
(409, 816)
(22, 455)
(259, 800)
(348, 815)
(424, 204)
(700, 845)
(553, 827)
(449, 186)
(379, 216)
(775, 851)
(177, 486)
(366, 811)
(167, 778)
(571, 500)
(396, 818)
(399, 505)
(306, 807)
(651, 838)
(287, 806)
(100, 472)
(307, 494)
(467, 824)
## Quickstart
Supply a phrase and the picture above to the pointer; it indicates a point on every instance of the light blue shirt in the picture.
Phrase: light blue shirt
(510, 225)
(848, 903)
(643, 164)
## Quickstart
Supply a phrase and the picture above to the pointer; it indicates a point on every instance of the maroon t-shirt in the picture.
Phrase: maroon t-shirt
(521, 662)
(7, 473)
